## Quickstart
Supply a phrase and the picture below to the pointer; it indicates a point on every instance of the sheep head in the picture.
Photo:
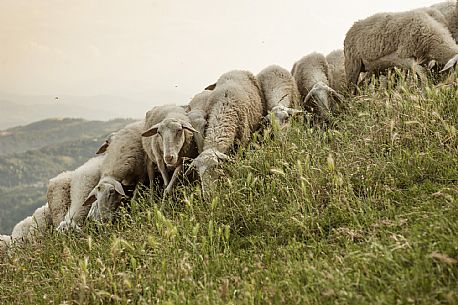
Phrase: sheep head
(172, 135)
(105, 198)
(282, 114)
(320, 93)
(205, 165)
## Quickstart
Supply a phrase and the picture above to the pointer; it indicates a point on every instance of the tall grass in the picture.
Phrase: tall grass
(361, 212)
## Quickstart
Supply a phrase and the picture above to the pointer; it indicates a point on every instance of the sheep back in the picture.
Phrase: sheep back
(278, 87)
(125, 157)
(58, 196)
(336, 65)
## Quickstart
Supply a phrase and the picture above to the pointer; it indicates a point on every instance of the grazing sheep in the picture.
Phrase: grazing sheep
(124, 164)
(280, 92)
(21, 231)
(58, 196)
(83, 180)
(197, 111)
(397, 40)
(28, 227)
(450, 12)
(312, 76)
(5, 242)
(41, 219)
(236, 113)
(336, 70)
(167, 140)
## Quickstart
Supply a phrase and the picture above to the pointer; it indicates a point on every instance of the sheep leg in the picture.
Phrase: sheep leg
(150, 171)
(173, 180)
(353, 68)
(393, 60)
(163, 170)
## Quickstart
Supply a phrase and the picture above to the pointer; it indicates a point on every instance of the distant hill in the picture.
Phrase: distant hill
(32, 154)
(54, 131)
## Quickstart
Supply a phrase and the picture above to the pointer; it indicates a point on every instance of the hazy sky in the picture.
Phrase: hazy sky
(162, 51)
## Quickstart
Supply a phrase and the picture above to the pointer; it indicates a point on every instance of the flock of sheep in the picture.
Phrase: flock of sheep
(226, 114)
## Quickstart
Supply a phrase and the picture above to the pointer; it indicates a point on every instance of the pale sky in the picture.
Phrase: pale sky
(155, 52)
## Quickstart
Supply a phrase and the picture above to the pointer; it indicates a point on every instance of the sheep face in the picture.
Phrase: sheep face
(321, 93)
(207, 161)
(105, 199)
(282, 114)
(172, 135)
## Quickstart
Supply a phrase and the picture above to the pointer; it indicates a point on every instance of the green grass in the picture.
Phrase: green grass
(363, 212)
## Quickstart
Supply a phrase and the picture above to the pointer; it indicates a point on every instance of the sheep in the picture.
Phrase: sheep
(168, 138)
(236, 113)
(82, 182)
(21, 231)
(336, 70)
(58, 196)
(197, 111)
(397, 39)
(28, 227)
(280, 92)
(124, 164)
(450, 12)
(312, 76)
(41, 219)
(5, 242)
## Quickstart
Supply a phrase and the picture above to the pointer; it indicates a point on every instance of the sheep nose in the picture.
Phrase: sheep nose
(168, 159)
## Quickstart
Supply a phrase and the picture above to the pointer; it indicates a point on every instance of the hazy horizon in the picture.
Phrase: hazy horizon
(157, 52)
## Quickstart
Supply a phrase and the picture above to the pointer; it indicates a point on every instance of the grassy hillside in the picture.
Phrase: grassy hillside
(66, 144)
(364, 212)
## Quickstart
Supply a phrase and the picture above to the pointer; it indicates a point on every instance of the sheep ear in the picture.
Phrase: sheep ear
(293, 112)
(151, 132)
(450, 64)
(188, 126)
(222, 156)
(118, 188)
(102, 148)
(211, 87)
(91, 198)
(309, 95)
(339, 97)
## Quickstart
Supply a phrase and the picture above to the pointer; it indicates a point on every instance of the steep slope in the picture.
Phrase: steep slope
(364, 212)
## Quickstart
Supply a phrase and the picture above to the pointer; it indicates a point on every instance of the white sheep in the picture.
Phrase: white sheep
(82, 182)
(280, 92)
(41, 219)
(397, 40)
(28, 227)
(124, 164)
(21, 231)
(313, 78)
(197, 111)
(168, 138)
(5, 242)
(237, 110)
